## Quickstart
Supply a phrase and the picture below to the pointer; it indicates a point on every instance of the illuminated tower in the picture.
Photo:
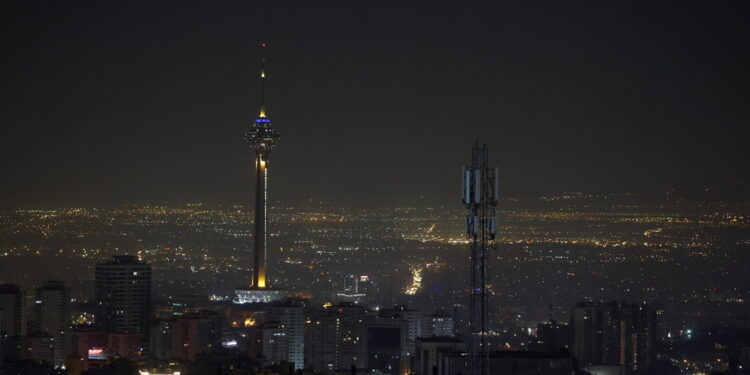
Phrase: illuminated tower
(262, 139)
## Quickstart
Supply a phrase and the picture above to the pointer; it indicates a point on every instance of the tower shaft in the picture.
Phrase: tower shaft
(261, 222)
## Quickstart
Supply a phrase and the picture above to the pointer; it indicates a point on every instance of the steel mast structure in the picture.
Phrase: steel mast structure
(479, 194)
(262, 139)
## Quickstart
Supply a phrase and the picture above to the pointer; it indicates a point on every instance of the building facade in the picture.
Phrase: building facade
(427, 350)
(196, 333)
(291, 319)
(51, 314)
(386, 338)
(613, 333)
(337, 339)
(438, 324)
(12, 320)
(508, 363)
(123, 295)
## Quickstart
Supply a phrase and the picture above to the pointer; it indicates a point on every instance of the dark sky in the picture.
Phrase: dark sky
(377, 102)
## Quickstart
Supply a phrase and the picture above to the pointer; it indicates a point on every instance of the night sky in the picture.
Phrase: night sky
(377, 102)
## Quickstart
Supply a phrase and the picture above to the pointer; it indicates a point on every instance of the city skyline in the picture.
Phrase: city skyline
(475, 188)
(675, 267)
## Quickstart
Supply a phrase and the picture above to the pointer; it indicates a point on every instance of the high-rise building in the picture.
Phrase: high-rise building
(12, 317)
(12, 320)
(414, 323)
(123, 295)
(51, 314)
(637, 335)
(438, 324)
(160, 344)
(274, 345)
(613, 334)
(551, 337)
(337, 339)
(386, 337)
(594, 333)
(38, 347)
(196, 333)
(262, 139)
(321, 343)
(291, 319)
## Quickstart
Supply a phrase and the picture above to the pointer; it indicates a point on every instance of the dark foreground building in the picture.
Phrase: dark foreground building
(614, 333)
(12, 320)
(508, 363)
(123, 295)
(51, 312)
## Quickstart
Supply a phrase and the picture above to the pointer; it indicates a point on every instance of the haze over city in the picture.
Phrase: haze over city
(142, 102)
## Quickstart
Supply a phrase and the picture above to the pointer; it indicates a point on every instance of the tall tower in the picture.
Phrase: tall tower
(480, 192)
(262, 140)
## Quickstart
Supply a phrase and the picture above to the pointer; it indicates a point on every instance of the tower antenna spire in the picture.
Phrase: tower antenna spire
(263, 79)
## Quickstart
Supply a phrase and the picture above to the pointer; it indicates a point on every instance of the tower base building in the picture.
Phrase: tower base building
(258, 295)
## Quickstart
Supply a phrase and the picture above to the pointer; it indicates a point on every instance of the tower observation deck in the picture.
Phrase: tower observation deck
(262, 139)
